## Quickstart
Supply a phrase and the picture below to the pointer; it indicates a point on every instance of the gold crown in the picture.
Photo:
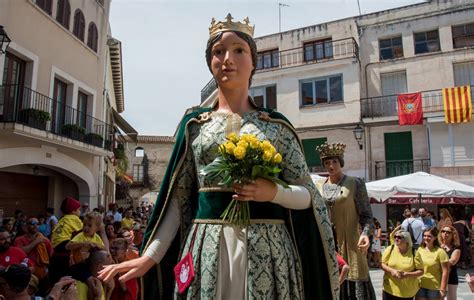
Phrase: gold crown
(228, 25)
(331, 150)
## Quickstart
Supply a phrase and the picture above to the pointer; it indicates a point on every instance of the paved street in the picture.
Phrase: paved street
(463, 290)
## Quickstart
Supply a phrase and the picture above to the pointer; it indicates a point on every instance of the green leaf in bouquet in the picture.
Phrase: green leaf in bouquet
(256, 170)
(227, 180)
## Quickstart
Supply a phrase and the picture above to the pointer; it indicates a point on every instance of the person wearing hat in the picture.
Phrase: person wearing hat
(349, 209)
(287, 250)
(68, 226)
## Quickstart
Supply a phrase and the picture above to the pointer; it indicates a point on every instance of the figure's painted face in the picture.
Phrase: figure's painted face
(332, 166)
(231, 61)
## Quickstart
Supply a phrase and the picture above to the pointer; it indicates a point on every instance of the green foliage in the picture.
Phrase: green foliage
(40, 115)
(67, 128)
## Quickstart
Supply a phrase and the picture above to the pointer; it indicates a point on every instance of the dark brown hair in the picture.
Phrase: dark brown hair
(247, 38)
(434, 233)
(340, 158)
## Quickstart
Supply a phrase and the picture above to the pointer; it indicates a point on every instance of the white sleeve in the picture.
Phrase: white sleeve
(165, 233)
(294, 197)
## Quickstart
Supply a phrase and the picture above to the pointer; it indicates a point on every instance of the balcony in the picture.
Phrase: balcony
(392, 168)
(339, 49)
(20, 104)
(387, 106)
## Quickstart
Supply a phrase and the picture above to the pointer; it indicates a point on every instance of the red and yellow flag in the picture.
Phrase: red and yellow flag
(457, 104)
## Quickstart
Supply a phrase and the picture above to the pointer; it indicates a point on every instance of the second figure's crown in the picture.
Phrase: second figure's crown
(228, 25)
(331, 150)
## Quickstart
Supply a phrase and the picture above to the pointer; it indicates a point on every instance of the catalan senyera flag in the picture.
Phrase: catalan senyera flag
(410, 109)
(457, 104)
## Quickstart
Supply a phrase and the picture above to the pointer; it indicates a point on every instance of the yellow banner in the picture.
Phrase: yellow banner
(457, 104)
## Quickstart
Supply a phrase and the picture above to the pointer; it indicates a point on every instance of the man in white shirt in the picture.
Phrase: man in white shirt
(417, 227)
(113, 212)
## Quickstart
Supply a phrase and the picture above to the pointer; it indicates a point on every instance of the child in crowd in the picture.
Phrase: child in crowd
(67, 227)
(82, 243)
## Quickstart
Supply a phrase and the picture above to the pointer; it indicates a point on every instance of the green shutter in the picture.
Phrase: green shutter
(398, 153)
(310, 153)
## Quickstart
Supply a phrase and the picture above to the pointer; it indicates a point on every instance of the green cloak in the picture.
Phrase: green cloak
(159, 282)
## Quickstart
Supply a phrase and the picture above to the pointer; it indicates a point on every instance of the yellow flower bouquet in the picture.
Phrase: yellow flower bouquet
(241, 160)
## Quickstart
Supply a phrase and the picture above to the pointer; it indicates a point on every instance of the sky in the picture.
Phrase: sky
(163, 45)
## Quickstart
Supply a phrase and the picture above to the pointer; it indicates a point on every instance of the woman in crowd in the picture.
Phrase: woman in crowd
(434, 282)
(348, 205)
(110, 231)
(236, 262)
(445, 218)
(402, 268)
(464, 232)
(449, 239)
(376, 244)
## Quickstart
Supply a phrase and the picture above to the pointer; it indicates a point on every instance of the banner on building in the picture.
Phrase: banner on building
(410, 109)
(457, 104)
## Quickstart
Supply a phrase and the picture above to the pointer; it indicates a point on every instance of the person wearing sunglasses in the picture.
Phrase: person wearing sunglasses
(434, 281)
(449, 239)
(402, 267)
(37, 247)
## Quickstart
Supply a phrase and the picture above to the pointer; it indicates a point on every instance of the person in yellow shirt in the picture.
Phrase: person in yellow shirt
(67, 227)
(82, 243)
(88, 286)
(127, 221)
(402, 268)
(434, 281)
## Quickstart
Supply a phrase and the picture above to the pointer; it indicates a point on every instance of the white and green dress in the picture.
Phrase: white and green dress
(264, 260)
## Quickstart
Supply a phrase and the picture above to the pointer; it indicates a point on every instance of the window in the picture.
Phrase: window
(138, 172)
(427, 42)
(46, 5)
(391, 48)
(139, 152)
(79, 25)
(318, 50)
(82, 109)
(463, 35)
(59, 104)
(268, 59)
(321, 90)
(64, 13)
(92, 36)
(310, 153)
(264, 96)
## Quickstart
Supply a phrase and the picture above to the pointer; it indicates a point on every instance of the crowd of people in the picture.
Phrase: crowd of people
(423, 256)
(59, 257)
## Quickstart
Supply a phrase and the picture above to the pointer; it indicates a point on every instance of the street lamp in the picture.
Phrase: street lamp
(4, 40)
(358, 135)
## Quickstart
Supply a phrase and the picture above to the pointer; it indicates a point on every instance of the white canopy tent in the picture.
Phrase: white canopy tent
(419, 183)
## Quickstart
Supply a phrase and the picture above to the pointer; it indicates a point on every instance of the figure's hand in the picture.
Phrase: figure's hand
(260, 190)
(363, 243)
(130, 269)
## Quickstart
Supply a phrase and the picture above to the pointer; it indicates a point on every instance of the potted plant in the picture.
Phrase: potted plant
(73, 131)
(34, 118)
(94, 139)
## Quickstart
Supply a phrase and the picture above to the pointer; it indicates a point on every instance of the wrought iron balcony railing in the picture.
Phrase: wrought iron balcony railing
(391, 168)
(333, 50)
(387, 106)
(20, 104)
